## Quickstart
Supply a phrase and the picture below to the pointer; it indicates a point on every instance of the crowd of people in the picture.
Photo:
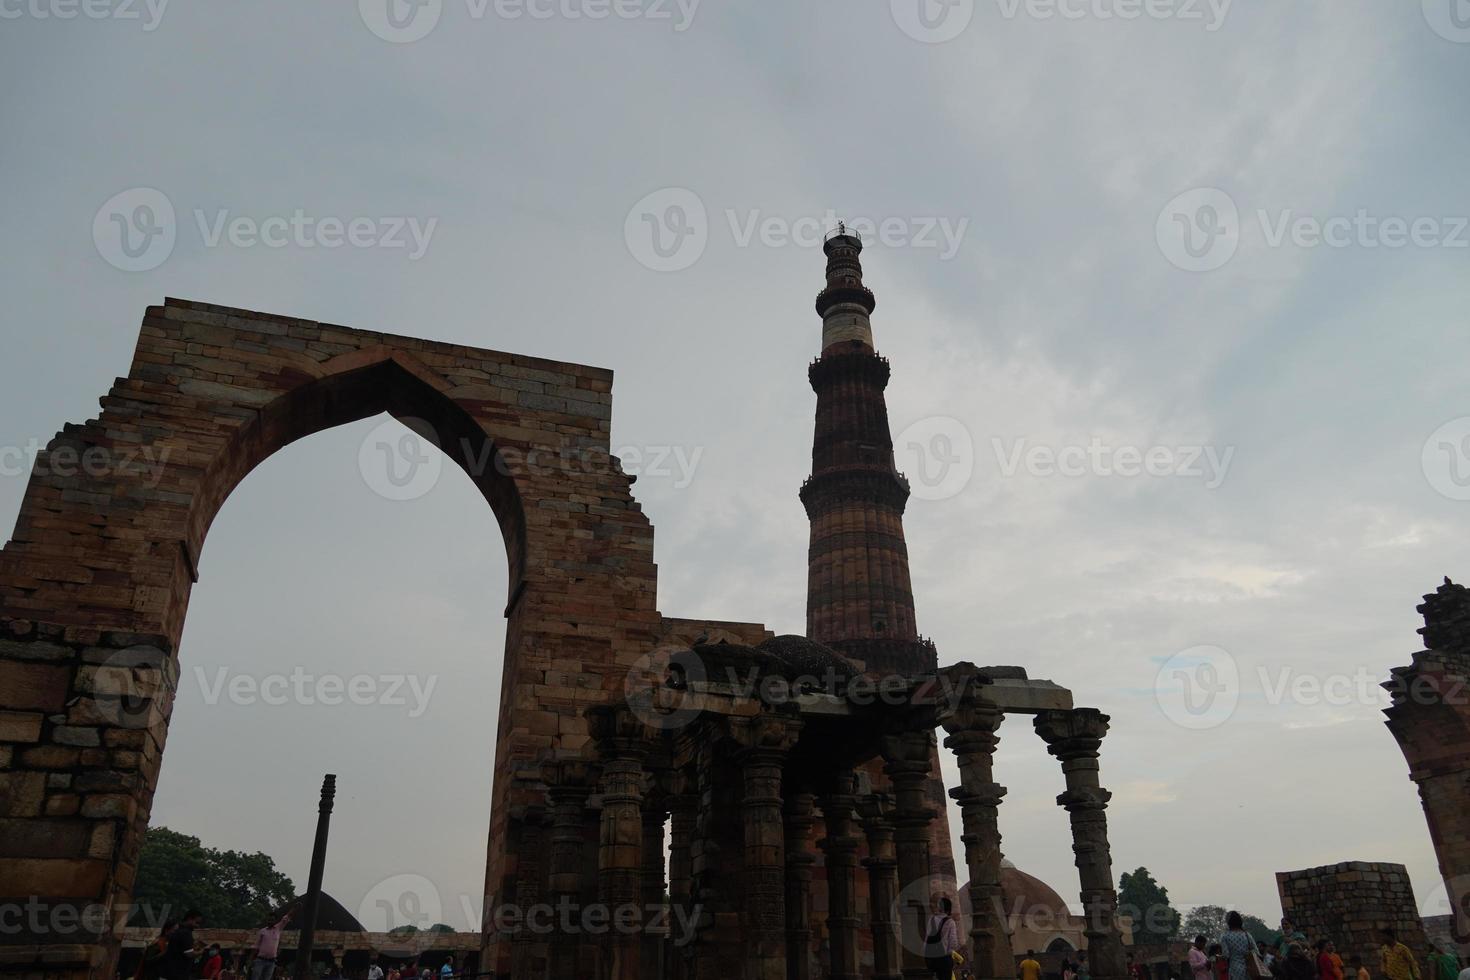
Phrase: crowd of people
(175, 955)
(1236, 955)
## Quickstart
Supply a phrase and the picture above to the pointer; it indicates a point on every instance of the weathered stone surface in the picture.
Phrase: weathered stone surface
(21, 793)
(1350, 902)
(18, 726)
(94, 592)
(1430, 718)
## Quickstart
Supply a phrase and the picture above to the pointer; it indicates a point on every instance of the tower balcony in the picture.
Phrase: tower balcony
(858, 295)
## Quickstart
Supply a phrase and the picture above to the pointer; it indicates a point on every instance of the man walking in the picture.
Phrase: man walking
(178, 958)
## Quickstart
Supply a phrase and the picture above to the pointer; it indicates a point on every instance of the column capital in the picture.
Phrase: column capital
(769, 734)
(966, 708)
(1072, 734)
(907, 753)
(619, 732)
(877, 809)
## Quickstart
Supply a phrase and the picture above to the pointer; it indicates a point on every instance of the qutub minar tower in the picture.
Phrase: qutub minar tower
(860, 600)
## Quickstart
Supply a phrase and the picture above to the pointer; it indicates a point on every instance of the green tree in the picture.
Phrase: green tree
(1203, 920)
(1261, 932)
(440, 927)
(233, 890)
(1146, 902)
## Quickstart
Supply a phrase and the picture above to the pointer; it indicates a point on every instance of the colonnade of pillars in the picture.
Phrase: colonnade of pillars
(740, 878)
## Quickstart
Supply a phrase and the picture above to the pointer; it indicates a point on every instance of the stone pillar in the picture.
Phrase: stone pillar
(799, 861)
(841, 847)
(683, 810)
(622, 745)
(569, 783)
(532, 874)
(882, 863)
(971, 726)
(652, 893)
(762, 744)
(1430, 718)
(906, 762)
(1074, 737)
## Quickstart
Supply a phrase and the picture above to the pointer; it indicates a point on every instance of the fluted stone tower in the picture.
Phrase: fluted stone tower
(860, 600)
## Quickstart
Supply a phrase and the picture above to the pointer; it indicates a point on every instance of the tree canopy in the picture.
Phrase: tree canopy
(233, 889)
(1146, 902)
(1209, 921)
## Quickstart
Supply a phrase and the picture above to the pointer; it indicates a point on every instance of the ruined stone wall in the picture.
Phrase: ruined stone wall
(1430, 718)
(1349, 903)
(95, 580)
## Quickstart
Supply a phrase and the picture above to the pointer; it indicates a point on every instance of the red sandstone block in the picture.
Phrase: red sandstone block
(18, 726)
(35, 687)
(53, 876)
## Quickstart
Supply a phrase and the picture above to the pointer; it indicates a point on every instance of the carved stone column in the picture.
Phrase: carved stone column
(906, 762)
(840, 847)
(1074, 737)
(623, 746)
(683, 810)
(971, 725)
(569, 783)
(799, 860)
(762, 744)
(655, 942)
(882, 863)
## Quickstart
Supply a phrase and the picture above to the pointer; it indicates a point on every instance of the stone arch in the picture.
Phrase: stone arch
(105, 551)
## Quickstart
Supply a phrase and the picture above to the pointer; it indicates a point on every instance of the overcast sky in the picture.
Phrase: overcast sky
(1147, 233)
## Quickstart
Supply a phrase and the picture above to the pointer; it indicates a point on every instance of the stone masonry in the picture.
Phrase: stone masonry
(1430, 718)
(95, 580)
(1349, 903)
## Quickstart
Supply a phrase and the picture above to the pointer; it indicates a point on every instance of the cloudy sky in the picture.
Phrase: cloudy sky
(1228, 240)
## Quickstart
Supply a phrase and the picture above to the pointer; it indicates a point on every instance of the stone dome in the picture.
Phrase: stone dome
(808, 656)
(1028, 893)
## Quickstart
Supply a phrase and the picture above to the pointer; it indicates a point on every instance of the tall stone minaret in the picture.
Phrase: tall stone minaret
(860, 600)
(859, 597)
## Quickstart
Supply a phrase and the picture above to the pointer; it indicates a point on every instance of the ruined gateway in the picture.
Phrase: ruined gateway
(804, 811)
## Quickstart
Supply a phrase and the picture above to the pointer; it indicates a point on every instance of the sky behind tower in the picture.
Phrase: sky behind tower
(1174, 295)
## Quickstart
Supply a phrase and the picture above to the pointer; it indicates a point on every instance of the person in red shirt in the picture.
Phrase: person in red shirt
(1221, 961)
(1329, 965)
(211, 963)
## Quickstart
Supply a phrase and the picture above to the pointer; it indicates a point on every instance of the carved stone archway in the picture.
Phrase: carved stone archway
(95, 580)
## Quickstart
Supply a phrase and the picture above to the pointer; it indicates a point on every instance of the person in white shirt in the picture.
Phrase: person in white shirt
(941, 939)
(375, 972)
(267, 943)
